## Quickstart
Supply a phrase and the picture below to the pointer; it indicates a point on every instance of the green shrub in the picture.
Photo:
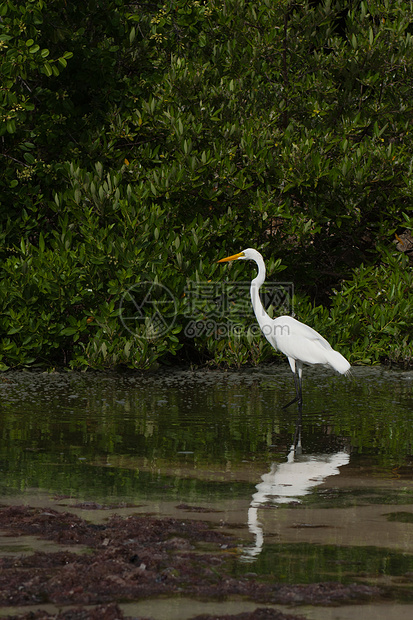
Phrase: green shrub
(370, 320)
(141, 142)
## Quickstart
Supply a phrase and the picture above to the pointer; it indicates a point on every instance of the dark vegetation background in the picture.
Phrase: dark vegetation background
(141, 141)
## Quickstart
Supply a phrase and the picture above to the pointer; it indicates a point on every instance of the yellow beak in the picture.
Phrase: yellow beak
(233, 257)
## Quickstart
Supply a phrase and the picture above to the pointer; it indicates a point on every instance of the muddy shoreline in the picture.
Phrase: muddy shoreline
(138, 557)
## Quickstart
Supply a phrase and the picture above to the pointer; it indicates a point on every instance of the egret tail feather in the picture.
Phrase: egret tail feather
(338, 362)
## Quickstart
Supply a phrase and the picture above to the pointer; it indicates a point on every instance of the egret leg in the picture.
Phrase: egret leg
(297, 436)
(297, 439)
(298, 398)
(297, 369)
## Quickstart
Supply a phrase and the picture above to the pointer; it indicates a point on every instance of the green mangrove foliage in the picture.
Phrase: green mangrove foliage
(140, 142)
(370, 316)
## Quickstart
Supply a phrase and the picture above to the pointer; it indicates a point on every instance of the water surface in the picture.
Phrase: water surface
(167, 441)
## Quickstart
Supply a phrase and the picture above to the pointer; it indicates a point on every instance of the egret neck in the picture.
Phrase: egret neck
(262, 317)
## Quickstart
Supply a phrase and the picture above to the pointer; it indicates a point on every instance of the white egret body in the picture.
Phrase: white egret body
(299, 342)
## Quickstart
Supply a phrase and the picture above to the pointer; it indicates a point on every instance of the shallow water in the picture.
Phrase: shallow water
(166, 441)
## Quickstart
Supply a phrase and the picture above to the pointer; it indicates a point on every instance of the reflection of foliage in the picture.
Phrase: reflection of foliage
(308, 563)
(344, 498)
(131, 430)
(400, 516)
(142, 141)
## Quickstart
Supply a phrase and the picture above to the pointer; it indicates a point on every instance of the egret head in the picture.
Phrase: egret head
(248, 254)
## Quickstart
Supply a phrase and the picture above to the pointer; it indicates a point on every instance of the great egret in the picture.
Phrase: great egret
(299, 342)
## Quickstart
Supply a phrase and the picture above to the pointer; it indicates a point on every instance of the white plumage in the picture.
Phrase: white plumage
(302, 343)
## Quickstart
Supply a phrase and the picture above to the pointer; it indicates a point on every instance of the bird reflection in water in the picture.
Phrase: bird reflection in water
(289, 482)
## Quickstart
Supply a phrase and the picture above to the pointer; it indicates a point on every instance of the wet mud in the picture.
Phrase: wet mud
(125, 559)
